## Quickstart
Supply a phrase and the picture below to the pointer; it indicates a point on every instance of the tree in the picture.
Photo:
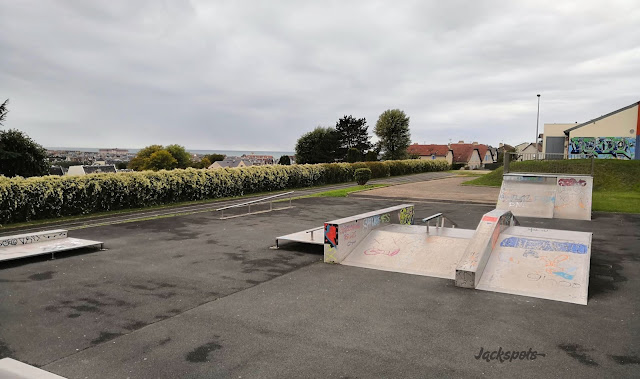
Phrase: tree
(141, 161)
(317, 146)
(20, 155)
(215, 157)
(353, 134)
(3, 111)
(392, 129)
(180, 155)
(284, 160)
(205, 163)
(161, 160)
(354, 155)
(371, 156)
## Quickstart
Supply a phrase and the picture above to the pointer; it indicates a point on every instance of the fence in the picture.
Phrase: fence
(549, 163)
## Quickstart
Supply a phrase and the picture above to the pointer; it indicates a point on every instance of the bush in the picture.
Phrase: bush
(458, 166)
(378, 169)
(492, 166)
(54, 196)
(362, 176)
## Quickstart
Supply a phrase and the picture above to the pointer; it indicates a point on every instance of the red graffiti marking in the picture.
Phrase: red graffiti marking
(489, 218)
(571, 182)
(331, 235)
(381, 252)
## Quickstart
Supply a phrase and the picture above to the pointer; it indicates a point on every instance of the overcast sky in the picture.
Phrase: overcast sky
(255, 75)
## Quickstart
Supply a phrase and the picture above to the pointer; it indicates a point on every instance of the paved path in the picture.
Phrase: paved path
(448, 189)
(208, 207)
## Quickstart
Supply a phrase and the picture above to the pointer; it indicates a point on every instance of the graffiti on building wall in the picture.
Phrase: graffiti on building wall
(604, 147)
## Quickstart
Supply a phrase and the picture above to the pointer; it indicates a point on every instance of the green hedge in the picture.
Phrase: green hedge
(56, 196)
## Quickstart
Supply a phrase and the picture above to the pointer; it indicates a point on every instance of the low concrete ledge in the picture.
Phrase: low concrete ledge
(474, 260)
(45, 242)
(343, 235)
(28, 238)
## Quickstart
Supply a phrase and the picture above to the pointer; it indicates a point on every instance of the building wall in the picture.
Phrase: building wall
(611, 137)
(488, 158)
(554, 130)
(621, 124)
(474, 160)
(528, 153)
(75, 170)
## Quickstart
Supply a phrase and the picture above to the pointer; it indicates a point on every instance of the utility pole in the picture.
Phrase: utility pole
(535, 141)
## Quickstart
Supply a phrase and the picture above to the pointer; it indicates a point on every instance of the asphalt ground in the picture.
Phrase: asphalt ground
(198, 297)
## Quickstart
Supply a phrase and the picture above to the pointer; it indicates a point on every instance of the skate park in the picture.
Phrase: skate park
(208, 297)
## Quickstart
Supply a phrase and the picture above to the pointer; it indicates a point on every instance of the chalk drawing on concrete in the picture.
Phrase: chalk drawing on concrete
(389, 253)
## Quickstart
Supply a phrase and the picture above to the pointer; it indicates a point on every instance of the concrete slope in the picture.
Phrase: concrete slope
(543, 263)
(409, 249)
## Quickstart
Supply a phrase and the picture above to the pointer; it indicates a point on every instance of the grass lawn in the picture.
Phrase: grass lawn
(624, 202)
(616, 183)
(343, 192)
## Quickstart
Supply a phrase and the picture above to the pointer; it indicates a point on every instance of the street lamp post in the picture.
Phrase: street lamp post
(535, 141)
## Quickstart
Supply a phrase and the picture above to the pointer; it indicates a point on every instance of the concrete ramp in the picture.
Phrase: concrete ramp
(10, 368)
(544, 263)
(547, 195)
(410, 250)
(499, 255)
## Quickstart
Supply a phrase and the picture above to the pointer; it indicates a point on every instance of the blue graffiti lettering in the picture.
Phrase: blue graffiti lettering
(534, 244)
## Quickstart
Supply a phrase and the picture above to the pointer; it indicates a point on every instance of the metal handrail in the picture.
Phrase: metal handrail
(255, 201)
(431, 217)
(439, 217)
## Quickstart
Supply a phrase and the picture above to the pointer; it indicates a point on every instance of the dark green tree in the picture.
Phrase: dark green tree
(20, 155)
(3, 111)
(284, 160)
(180, 154)
(392, 129)
(352, 134)
(215, 157)
(354, 155)
(371, 156)
(317, 146)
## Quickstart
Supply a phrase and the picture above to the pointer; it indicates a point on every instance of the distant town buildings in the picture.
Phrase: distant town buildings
(93, 169)
(230, 162)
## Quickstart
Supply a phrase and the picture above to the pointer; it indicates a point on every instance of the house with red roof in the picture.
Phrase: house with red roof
(472, 155)
(432, 152)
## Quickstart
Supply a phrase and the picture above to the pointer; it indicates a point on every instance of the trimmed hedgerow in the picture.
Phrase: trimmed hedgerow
(55, 196)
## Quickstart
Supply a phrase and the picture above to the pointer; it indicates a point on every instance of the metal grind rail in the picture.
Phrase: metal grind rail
(439, 219)
(255, 202)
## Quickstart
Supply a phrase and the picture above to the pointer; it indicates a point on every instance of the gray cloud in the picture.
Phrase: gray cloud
(256, 75)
